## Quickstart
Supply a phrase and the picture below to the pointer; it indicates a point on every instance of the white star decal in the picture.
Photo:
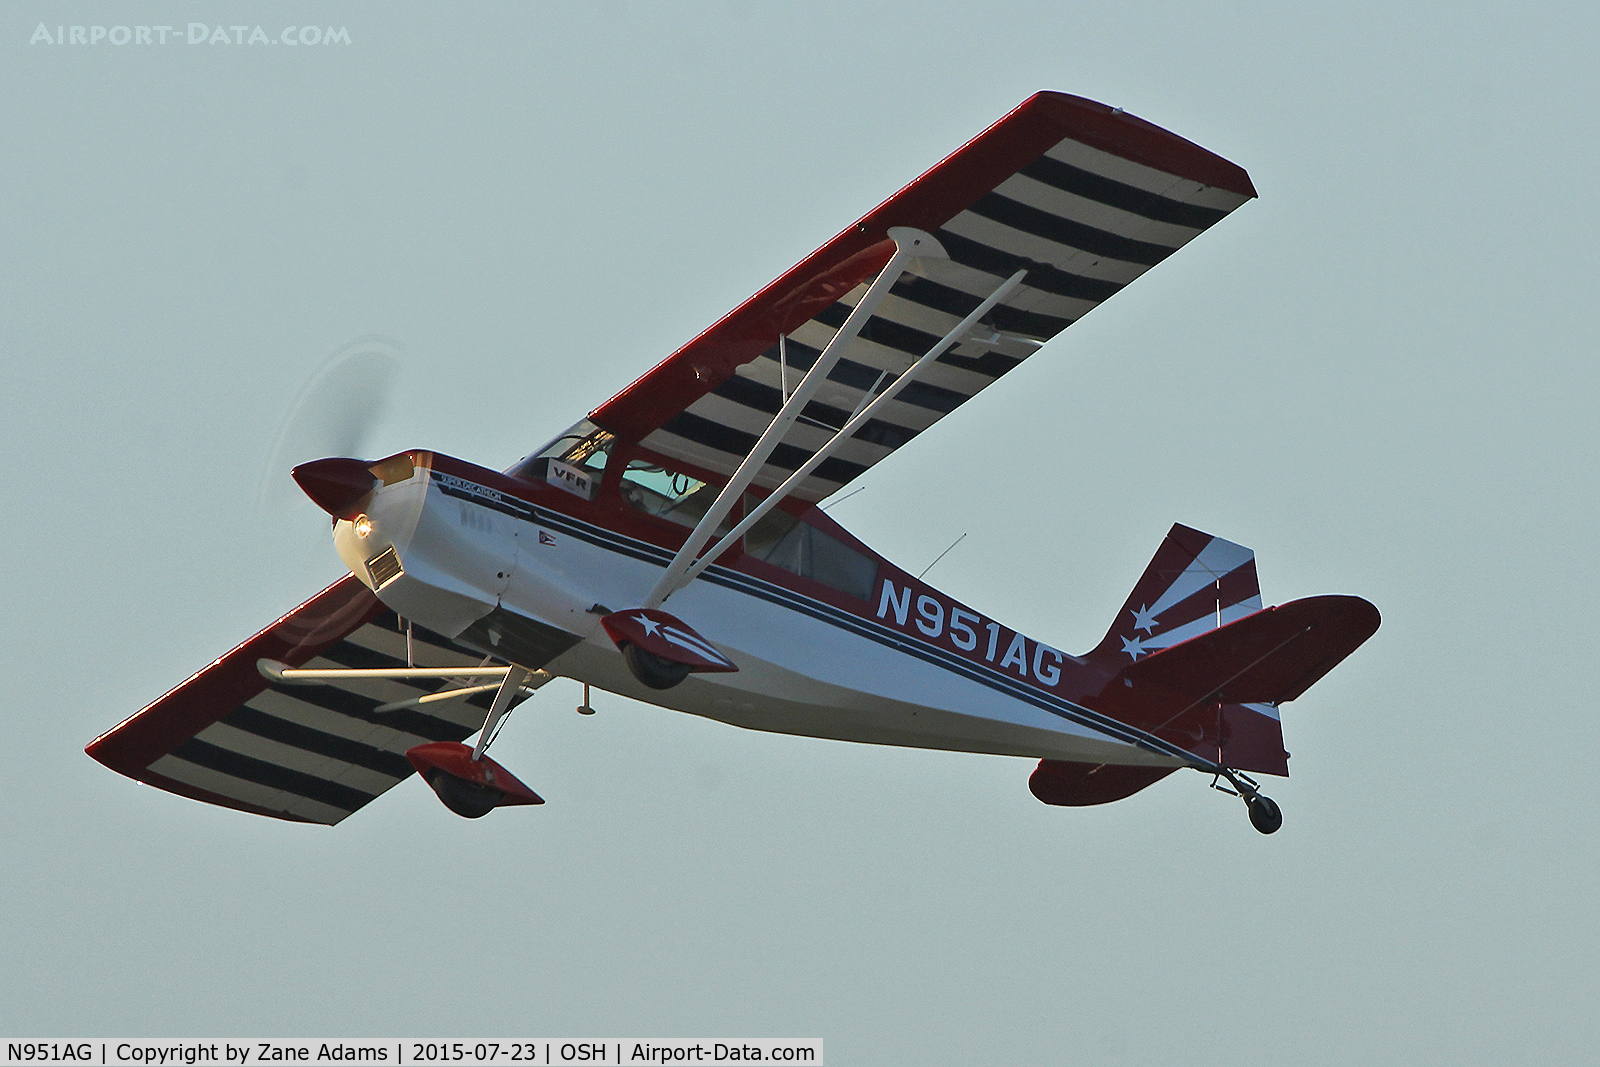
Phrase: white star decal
(650, 625)
(1144, 619)
(1132, 646)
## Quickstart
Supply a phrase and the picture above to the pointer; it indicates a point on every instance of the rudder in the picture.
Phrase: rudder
(1195, 583)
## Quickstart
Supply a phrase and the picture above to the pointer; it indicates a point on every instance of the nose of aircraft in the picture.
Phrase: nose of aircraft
(338, 486)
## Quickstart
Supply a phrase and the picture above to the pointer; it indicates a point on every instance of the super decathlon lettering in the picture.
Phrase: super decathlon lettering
(460, 486)
(956, 626)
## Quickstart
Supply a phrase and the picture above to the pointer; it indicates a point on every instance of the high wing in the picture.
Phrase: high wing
(305, 754)
(1082, 196)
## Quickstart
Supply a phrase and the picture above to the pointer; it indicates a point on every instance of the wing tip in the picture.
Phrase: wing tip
(1140, 140)
(107, 754)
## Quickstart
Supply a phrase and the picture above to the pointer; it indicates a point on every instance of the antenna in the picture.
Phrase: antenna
(842, 499)
(941, 555)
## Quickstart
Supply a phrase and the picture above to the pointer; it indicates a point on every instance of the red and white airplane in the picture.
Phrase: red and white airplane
(670, 546)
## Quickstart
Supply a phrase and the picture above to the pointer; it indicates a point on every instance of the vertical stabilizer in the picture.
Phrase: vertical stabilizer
(1194, 584)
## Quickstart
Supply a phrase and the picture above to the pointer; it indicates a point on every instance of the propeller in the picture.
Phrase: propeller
(337, 412)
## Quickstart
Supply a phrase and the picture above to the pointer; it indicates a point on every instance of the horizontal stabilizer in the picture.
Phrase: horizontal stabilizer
(1266, 658)
(1078, 785)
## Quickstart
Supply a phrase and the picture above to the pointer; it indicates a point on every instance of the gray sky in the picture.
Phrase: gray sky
(1380, 376)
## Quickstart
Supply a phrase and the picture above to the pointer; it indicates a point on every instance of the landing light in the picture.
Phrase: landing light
(363, 525)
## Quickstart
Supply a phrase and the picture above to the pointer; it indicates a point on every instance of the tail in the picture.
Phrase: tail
(1194, 584)
(1197, 662)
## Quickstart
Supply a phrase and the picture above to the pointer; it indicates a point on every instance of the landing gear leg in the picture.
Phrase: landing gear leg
(1265, 815)
(516, 679)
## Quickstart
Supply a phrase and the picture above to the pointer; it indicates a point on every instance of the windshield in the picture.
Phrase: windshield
(574, 461)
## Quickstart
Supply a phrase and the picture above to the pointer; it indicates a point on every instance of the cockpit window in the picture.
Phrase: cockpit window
(782, 540)
(669, 494)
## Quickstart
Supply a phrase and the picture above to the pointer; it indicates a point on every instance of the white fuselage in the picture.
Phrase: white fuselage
(487, 567)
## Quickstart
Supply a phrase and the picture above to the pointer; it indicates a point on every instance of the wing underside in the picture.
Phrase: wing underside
(1080, 196)
(304, 753)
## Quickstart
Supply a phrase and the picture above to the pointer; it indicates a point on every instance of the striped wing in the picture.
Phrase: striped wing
(1085, 198)
(303, 753)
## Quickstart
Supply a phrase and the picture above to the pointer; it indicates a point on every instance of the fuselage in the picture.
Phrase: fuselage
(830, 639)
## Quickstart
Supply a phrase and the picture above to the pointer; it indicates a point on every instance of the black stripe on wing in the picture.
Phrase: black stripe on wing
(703, 431)
(1062, 231)
(360, 708)
(959, 304)
(271, 775)
(919, 393)
(318, 742)
(1109, 191)
(1041, 276)
(765, 398)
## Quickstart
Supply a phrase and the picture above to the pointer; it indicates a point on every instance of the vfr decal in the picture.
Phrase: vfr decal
(572, 479)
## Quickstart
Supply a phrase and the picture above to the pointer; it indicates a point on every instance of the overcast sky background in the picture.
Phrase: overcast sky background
(1380, 376)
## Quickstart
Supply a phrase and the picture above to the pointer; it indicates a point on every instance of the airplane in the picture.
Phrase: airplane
(699, 489)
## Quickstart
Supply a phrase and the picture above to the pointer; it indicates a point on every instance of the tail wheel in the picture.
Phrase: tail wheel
(651, 669)
(467, 799)
(1265, 815)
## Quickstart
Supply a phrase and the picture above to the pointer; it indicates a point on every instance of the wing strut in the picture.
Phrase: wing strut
(863, 412)
(909, 244)
(514, 681)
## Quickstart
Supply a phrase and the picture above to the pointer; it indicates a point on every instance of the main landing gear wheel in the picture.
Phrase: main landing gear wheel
(467, 799)
(651, 669)
(1265, 815)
